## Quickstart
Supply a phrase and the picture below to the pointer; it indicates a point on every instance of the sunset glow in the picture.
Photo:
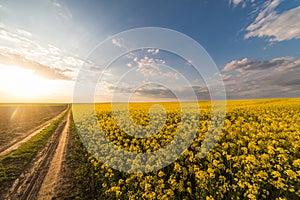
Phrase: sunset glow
(23, 83)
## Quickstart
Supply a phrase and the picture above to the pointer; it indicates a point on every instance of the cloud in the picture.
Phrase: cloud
(72, 61)
(278, 77)
(275, 26)
(153, 51)
(284, 79)
(23, 33)
(54, 50)
(153, 90)
(39, 69)
(8, 36)
(201, 92)
(148, 60)
(149, 70)
(19, 42)
(237, 2)
(56, 4)
(257, 65)
(117, 42)
(151, 67)
(62, 11)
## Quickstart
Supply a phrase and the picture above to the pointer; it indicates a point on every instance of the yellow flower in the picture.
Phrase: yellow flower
(296, 163)
(177, 167)
(251, 196)
(161, 173)
(121, 181)
(291, 174)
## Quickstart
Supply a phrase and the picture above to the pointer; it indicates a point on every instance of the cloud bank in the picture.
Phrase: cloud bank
(275, 26)
(278, 77)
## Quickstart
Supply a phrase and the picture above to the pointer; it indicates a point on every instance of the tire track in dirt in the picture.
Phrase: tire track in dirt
(41, 175)
(14, 145)
(48, 187)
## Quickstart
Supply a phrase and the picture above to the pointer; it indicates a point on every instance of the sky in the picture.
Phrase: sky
(45, 45)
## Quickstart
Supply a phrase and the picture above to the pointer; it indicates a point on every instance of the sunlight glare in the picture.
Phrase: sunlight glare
(23, 83)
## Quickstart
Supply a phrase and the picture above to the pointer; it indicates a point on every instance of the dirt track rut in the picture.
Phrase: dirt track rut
(42, 176)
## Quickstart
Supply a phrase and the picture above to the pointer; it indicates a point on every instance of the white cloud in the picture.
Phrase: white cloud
(117, 42)
(54, 50)
(15, 39)
(149, 70)
(276, 26)
(153, 51)
(152, 67)
(72, 61)
(148, 60)
(23, 33)
(10, 59)
(148, 66)
(171, 75)
(237, 2)
(62, 10)
(20, 42)
(56, 4)
(8, 37)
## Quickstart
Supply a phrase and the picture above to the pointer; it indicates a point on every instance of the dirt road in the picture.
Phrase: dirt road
(16, 144)
(41, 178)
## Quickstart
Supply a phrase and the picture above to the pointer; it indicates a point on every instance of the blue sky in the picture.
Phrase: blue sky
(255, 44)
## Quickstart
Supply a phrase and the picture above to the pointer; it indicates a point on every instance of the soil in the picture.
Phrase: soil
(41, 179)
(14, 144)
(17, 138)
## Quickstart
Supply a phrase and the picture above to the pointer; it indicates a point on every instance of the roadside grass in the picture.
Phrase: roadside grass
(14, 163)
(78, 177)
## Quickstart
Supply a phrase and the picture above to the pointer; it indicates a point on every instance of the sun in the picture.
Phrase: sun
(22, 83)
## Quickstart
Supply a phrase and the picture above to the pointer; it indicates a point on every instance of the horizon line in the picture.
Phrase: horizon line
(230, 99)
